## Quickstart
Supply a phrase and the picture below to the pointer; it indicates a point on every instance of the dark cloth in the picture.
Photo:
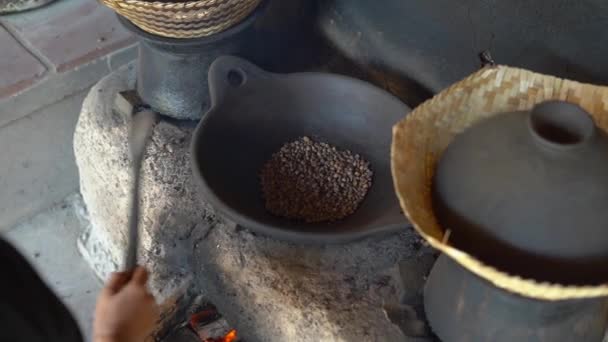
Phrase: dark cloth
(29, 311)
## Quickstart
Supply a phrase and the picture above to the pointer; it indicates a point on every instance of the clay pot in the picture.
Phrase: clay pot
(248, 121)
(463, 307)
(172, 73)
(527, 192)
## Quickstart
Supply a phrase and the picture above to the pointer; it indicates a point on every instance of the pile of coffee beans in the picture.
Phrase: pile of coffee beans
(314, 182)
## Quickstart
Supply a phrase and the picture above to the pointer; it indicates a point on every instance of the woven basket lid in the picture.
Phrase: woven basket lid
(191, 19)
(420, 139)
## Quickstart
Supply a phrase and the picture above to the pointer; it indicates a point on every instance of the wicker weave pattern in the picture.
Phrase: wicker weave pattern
(192, 19)
(172, 6)
(420, 138)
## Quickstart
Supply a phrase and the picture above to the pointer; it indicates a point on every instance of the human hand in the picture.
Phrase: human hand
(126, 311)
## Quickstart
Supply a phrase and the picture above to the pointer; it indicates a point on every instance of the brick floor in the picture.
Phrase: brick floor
(49, 58)
(71, 32)
(18, 68)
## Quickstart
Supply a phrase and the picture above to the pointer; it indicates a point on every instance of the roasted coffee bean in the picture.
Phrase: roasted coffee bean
(314, 182)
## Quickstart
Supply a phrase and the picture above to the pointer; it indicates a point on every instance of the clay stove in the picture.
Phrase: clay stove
(266, 289)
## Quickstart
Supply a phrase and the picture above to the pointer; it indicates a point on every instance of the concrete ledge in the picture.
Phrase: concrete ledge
(38, 167)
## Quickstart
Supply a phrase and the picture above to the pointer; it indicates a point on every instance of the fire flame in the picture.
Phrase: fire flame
(231, 336)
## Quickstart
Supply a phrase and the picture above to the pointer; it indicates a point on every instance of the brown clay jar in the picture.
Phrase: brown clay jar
(527, 192)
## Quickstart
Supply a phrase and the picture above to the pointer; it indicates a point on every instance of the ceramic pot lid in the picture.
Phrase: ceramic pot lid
(528, 191)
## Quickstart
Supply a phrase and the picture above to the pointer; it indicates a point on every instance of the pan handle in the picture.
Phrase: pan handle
(228, 73)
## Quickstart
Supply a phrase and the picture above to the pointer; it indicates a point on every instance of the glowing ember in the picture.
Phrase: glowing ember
(231, 336)
(211, 327)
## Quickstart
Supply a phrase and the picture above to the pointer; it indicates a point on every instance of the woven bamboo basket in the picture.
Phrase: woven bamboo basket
(420, 139)
(192, 19)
